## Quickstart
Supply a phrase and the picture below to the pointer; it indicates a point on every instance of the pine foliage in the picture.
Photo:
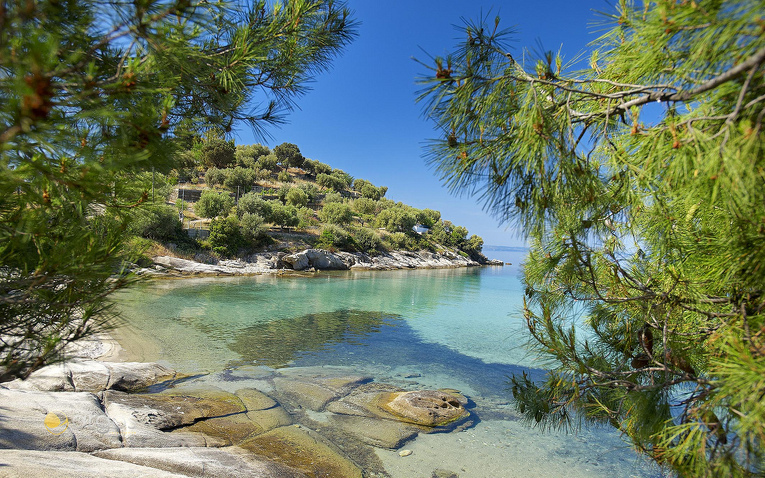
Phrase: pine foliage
(639, 181)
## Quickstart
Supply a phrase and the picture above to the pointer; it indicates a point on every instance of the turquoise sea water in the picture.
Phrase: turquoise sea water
(448, 328)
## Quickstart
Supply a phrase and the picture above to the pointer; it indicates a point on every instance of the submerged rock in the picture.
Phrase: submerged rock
(315, 388)
(374, 431)
(305, 450)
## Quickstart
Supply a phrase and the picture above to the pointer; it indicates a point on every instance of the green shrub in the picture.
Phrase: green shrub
(330, 181)
(225, 236)
(252, 203)
(297, 197)
(333, 238)
(371, 192)
(155, 222)
(269, 162)
(262, 174)
(247, 155)
(333, 197)
(336, 213)
(213, 204)
(397, 219)
(400, 241)
(215, 176)
(239, 179)
(364, 206)
(315, 167)
(367, 239)
(252, 227)
(284, 176)
(306, 217)
(310, 190)
(283, 215)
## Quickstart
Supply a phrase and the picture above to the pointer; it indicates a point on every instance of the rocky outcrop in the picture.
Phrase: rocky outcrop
(314, 259)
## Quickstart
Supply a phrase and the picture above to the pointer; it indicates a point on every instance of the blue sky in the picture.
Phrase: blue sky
(361, 116)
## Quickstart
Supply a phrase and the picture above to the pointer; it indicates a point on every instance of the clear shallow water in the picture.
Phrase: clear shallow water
(450, 328)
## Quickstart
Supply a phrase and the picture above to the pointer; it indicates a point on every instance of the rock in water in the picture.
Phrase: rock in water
(430, 408)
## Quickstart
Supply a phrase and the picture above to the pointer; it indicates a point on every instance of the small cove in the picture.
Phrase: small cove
(447, 328)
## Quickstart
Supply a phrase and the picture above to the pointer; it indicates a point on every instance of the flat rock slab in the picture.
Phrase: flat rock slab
(303, 449)
(94, 376)
(202, 462)
(255, 399)
(234, 429)
(313, 388)
(374, 431)
(72, 421)
(59, 464)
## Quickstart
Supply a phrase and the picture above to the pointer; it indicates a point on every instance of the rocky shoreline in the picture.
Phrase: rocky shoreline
(92, 418)
(311, 260)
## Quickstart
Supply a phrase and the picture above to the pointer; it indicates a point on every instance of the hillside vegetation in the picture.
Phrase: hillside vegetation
(255, 199)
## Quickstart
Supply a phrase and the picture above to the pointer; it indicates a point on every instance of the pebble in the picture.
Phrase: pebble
(405, 453)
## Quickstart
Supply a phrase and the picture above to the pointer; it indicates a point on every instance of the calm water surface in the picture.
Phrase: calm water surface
(450, 328)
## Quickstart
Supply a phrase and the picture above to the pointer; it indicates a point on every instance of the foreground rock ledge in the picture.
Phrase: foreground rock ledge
(267, 428)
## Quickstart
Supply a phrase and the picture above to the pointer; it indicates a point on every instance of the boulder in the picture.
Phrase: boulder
(317, 258)
(305, 450)
(202, 462)
(39, 420)
(429, 408)
(364, 402)
(298, 261)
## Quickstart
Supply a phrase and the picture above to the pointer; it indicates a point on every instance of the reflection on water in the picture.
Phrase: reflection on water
(280, 342)
(452, 328)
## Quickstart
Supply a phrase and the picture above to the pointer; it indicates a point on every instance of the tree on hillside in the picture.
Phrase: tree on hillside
(253, 204)
(218, 153)
(315, 167)
(336, 213)
(247, 155)
(296, 197)
(93, 90)
(239, 179)
(397, 219)
(330, 181)
(215, 176)
(213, 204)
(289, 155)
(639, 183)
